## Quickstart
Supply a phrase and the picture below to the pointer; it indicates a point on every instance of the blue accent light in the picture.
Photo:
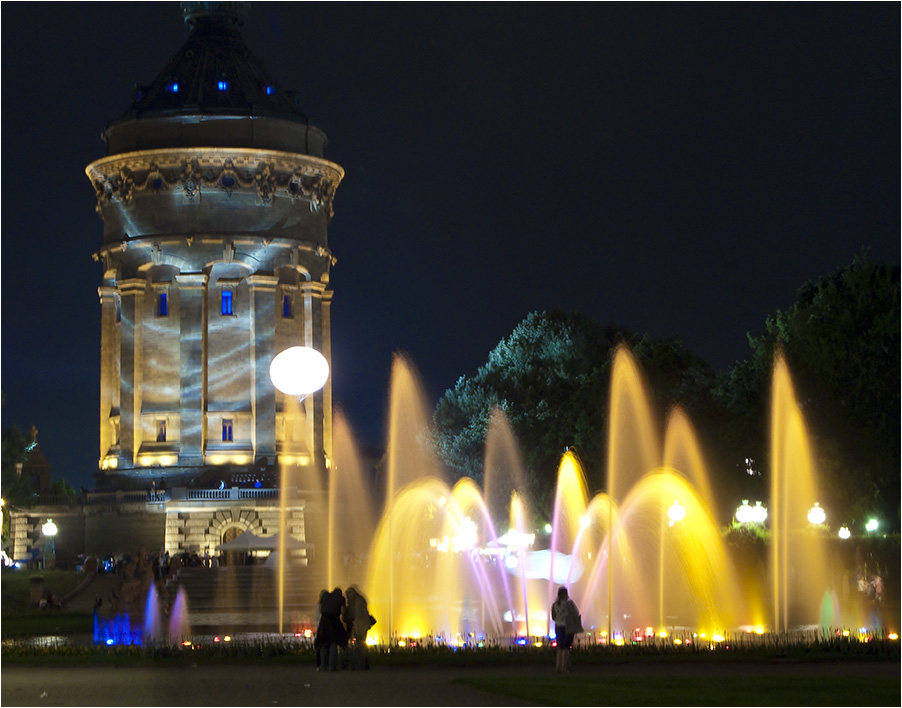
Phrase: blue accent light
(222, 85)
(270, 90)
(174, 87)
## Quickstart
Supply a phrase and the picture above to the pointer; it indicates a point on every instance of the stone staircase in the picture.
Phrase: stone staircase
(246, 598)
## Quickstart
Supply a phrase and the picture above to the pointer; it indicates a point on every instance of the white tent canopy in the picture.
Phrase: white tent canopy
(249, 541)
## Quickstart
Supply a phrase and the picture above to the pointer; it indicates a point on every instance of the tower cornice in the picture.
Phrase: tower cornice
(264, 173)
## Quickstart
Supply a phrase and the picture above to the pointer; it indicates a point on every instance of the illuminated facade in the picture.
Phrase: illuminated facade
(215, 201)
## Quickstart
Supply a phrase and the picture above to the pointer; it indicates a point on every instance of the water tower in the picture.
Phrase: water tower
(215, 201)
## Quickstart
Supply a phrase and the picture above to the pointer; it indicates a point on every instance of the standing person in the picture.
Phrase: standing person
(358, 621)
(567, 624)
(331, 632)
(318, 640)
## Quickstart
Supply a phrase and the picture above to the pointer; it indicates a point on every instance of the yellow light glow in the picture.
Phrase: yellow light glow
(893, 636)
(402, 643)
(717, 637)
(227, 638)
(677, 641)
(759, 630)
(372, 640)
(663, 634)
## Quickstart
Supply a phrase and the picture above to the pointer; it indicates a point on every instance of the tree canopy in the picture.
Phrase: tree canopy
(841, 340)
(550, 377)
(841, 337)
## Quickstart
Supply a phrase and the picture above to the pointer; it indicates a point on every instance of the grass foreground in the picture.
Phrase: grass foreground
(712, 690)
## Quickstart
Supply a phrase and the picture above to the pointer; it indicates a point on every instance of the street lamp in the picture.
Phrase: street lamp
(299, 371)
(49, 530)
(871, 525)
(844, 532)
(747, 514)
(816, 515)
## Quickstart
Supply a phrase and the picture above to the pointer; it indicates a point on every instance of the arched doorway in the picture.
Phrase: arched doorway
(231, 557)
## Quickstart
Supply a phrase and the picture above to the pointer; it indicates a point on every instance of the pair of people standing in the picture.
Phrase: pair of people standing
(342, 623)
(567, 624)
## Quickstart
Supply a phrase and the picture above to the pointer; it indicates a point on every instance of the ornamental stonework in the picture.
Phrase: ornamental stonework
(265, 173)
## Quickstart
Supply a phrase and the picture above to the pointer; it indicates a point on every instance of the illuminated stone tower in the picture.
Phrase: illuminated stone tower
(215, 200)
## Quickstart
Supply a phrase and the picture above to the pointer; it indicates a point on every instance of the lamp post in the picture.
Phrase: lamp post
(296, 371)
(49, 530)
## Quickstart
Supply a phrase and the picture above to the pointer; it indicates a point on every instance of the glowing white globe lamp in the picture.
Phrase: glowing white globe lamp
(816, 515)
(744, 513)
(844, 532)
(759, 513)
(299, 371)
(676, 512)
(49, 530)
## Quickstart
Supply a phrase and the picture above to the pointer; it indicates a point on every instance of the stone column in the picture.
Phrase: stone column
(109, 369)
(193, 367)
(327, 389)
(131, 350)
(262, 350)
(317, 336)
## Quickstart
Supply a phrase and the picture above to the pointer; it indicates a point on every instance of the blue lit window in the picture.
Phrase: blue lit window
(287, 311)
(222, 85)
(161, 430)
(270, 90)
(227, 303)
(174, 87)
(162, 305)
(227, 430)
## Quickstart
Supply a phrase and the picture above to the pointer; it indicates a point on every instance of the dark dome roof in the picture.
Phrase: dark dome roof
(214, 73)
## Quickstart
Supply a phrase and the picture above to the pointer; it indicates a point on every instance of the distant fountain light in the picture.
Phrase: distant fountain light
(676, 512)
(744, 512)
(816, 515)
(299, 371)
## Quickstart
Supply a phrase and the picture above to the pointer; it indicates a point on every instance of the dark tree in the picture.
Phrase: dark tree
(551, 378)
(19, 491)
(841, 340)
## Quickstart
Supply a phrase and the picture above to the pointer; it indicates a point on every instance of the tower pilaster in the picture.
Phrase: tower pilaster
(263, 348)
(192, 366)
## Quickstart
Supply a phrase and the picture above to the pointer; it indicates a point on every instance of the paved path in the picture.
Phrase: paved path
(237, 685)
(301, 685)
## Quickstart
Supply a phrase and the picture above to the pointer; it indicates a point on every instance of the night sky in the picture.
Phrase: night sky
(680, 170)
